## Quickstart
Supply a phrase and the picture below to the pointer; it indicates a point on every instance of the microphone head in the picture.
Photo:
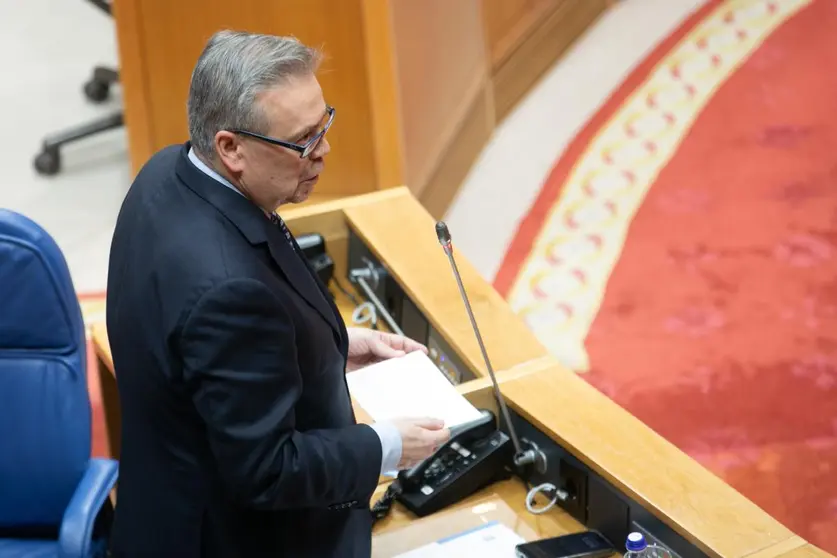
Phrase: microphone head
(443, 233)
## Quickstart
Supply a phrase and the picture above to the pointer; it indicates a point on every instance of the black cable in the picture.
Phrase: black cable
(346, 292)
(355, 300)
(383, 506)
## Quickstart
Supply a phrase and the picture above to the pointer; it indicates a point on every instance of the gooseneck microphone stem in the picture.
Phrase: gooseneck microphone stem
(521, 457)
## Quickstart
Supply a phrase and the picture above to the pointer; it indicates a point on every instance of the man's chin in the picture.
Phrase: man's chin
(303, 191)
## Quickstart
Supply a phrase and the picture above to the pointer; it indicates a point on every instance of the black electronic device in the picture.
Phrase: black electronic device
(313, 248)
(588, 544)
(476, 455)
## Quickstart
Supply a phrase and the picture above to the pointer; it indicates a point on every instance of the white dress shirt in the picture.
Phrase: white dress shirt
(387, 432)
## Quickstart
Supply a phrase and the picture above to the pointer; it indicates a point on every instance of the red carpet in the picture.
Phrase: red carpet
(718, 324)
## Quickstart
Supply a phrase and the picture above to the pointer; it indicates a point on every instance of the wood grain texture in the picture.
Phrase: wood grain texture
(480, 391)
(385, 103)
(509, 22)
(463, 150)
(558, 24)
(782, 548)
(643, 465)
(131, 44)
(442, 66)
(804, 550)
(512, 492)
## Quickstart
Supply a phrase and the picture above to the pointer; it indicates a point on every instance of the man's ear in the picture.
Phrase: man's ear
(228, 148)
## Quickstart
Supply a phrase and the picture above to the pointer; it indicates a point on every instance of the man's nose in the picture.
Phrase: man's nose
(322, 149)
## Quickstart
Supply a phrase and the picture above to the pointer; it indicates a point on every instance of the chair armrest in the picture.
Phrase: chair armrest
(76, 535)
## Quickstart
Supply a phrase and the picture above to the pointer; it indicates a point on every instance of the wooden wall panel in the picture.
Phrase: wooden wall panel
(559, 23)
(384, 95)
(132, 76)
(178, 27)
(440, 54)
(508, 22)
(463, 151)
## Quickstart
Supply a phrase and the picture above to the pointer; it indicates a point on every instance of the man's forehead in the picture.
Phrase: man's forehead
(294, 105)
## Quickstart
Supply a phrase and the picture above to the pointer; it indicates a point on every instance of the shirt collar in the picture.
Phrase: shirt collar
(203, 167)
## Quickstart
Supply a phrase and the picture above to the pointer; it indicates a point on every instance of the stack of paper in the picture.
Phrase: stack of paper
(409, 387)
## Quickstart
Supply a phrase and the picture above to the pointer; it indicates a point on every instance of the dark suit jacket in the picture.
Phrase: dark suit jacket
(238, 435)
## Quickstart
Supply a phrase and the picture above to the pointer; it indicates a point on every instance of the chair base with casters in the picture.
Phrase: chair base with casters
(48, 161)
(97, 90)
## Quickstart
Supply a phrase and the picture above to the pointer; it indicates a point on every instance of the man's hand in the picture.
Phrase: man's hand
(367, 346)
(419, 439)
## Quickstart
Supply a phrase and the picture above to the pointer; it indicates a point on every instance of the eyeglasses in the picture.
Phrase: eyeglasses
(305, 149)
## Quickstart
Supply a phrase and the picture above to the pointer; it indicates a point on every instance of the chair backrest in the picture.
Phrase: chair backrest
(44, 402)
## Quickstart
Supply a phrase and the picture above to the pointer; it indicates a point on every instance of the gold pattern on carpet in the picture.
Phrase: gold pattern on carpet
(562, 282)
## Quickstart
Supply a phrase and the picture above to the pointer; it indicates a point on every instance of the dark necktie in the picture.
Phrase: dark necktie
(276, 220)
(279, 222)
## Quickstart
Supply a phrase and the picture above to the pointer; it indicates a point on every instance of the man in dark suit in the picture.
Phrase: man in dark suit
(238, 435)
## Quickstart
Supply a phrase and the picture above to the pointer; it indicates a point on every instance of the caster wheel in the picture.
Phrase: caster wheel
(96, 91)
(48, 162)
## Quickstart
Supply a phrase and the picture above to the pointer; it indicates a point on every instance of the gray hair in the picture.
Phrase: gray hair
(232, 70)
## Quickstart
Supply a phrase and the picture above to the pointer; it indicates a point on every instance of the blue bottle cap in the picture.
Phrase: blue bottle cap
(636, 543)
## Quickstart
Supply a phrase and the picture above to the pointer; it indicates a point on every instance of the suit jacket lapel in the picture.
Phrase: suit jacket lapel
(258, 229)
(299, 275)
(338, 318)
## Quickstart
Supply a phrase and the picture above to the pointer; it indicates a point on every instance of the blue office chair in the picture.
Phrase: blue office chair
(54, 499)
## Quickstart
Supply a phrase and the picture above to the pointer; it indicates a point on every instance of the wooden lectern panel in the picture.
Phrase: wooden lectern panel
(442, 70)
(402, 235)
(644, 466)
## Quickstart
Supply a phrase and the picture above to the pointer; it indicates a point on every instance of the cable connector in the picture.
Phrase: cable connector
(549, 490)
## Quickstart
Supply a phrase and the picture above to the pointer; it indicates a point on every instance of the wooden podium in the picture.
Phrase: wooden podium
(419, 85)
(621, 475)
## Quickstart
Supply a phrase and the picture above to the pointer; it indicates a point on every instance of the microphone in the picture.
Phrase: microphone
(522, 457)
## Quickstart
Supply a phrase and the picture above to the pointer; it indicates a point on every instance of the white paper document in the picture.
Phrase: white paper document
(410, 386)
(492, 540)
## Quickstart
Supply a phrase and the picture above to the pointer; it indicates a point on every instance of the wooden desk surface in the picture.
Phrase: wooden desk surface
(806, 551)
(513, 492)
(504, 501)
